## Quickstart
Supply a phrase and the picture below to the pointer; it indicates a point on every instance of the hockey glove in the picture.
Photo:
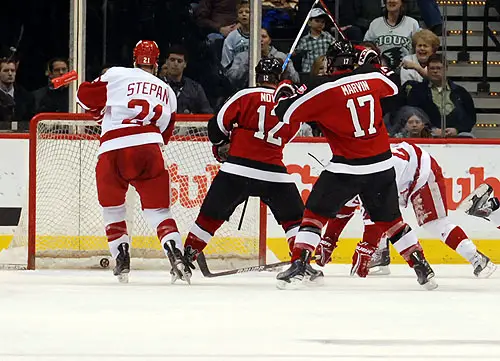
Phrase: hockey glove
(221, 152)
(323, 254)
(361, 259)
(286, 89)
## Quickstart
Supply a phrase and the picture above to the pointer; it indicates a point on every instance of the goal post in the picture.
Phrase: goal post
(62, 225)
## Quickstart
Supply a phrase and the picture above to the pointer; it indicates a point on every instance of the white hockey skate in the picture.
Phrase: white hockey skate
(180, 267)
(483, 267)
(477, 203)
(122, 267)
(379, 264)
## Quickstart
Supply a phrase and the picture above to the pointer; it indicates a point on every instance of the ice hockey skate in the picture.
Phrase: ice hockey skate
(483, 267)
(122, 267)
(379, 264)
(180, 267)
(293, 277)
(314, 277)
(478, 203)
(425, 274)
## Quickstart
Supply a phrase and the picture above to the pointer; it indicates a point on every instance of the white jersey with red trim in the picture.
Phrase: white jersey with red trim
(413, 167)
(137, 107)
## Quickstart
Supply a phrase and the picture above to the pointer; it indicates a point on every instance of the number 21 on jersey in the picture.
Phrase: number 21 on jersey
(270, 136)
(362, 101)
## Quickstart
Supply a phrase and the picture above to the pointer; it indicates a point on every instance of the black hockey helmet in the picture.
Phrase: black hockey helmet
(268, 70)
(341, 55)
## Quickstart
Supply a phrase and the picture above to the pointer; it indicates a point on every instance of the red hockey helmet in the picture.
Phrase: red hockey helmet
(146, 52)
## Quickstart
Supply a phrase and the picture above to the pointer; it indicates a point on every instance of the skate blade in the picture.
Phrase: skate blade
(180, 274)
(123, 277)
(488, 270)
(430, 285)
(294, 284)
(379, 271)
(317, 282)
(467, 203)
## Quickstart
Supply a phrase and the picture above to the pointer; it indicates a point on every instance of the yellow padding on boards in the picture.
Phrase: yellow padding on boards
(218, 245)
(5, 240)
(435, 251)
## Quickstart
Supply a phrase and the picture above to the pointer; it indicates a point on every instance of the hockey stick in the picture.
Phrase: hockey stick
(242, 214)
(297, 38)
(337, 27)
(202, 263)
(14, 49)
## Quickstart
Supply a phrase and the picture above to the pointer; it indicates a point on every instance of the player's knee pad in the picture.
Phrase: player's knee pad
(157, 216)
(440, 227)
(114, 214)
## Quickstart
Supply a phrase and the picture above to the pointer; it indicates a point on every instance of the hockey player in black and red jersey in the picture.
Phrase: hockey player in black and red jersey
(249, 139)
(346, 105)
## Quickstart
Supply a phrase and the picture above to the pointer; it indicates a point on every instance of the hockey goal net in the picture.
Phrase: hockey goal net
(62, 225)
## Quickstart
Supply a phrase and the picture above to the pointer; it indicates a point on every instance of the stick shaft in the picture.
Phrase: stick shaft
(297, 38)
(333, 19)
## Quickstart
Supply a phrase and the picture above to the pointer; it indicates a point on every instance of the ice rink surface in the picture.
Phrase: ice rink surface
(87, 315)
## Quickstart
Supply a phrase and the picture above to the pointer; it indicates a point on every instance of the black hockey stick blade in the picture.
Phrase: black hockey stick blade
(202, 263)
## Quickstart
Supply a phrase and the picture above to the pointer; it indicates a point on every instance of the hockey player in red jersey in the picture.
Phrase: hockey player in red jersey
(137, 113)
(248, 140)
(420, 183)
(346, 105)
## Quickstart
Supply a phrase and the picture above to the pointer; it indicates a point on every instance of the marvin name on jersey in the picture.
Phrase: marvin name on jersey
(357, 87)
(146, 88)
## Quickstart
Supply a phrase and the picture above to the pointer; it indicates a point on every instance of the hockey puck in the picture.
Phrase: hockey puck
(104, 262)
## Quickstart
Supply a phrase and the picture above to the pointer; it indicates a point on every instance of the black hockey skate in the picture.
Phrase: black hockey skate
(425, 274)
(483, 267)
(313, 276)
(122, 267)
(180, 266)
(379, 264)
(292, 277)
(478, 203)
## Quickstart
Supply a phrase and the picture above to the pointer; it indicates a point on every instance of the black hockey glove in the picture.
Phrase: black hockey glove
(221, 151)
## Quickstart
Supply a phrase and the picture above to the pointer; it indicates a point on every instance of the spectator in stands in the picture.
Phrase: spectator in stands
(217, 18)
(238, 40)
(191, 97)
(412, 123)
(319, 66)
(437, 98)
(238, 72)
(48, 99)
(16, 104)
(315, 43)
(429, 10)
(414, 67)
(392, 33)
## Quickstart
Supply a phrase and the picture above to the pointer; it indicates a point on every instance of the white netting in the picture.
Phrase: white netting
(69, 224)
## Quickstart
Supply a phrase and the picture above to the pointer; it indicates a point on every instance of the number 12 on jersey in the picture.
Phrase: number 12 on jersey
(351, 105)
(260, 134)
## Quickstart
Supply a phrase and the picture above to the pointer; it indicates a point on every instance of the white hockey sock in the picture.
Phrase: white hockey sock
(467, 249)
(113, 245)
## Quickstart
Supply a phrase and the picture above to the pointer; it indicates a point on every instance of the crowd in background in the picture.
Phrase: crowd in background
(205, 53)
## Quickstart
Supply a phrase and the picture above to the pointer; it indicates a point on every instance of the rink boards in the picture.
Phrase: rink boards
(465, 166)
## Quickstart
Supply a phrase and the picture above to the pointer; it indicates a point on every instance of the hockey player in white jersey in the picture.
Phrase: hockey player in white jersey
(420, 182)
(137, 115)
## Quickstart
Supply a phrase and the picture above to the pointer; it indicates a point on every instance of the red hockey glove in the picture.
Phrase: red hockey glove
(323, 253)
(361, 258)
(286, 89)
(221, 152)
